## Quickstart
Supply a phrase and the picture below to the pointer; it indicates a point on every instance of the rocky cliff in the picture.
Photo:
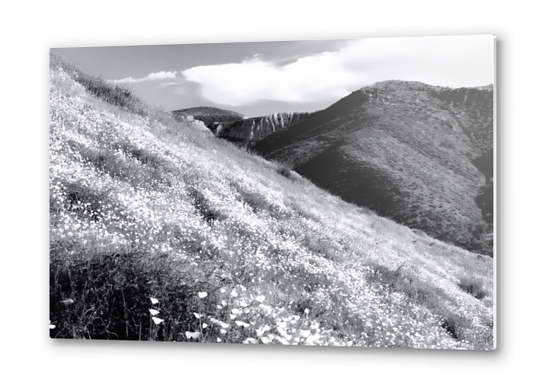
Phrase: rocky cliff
(207, 115)
(237, 128)
(250, 130)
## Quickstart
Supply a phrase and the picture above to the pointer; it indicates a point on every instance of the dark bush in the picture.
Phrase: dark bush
(107, 297)
(284, 171)
(473, 287)
(116, 94)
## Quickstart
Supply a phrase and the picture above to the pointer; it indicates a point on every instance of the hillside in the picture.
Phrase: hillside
(159, 231)
(406, 151)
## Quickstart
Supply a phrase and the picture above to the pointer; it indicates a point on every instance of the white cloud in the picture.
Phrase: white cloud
(441, 60)
(162, 75)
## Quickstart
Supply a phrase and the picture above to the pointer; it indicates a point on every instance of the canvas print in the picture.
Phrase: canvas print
(309, 193)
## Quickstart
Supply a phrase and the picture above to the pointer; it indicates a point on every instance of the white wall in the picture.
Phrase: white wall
(28, 354)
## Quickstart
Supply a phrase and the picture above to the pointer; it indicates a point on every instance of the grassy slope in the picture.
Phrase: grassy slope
(233, 248)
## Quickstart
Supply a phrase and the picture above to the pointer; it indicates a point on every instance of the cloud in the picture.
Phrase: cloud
(162, 75)
(178, 81)
(441, 60)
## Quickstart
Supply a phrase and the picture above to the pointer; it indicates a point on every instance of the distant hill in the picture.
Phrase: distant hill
(234, 127)
(249, 131)
(405, 150)
(208, 115)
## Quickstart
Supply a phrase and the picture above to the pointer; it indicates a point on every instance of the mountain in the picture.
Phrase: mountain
(408, 151)
(251, 130)
(160, 231)
(234, 127)
(208, 115)
(484, 199)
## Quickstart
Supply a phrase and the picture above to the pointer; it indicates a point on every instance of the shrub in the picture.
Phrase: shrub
(473, 286)
(107, 297)
(284, 171)
(203, 206)
(84, 202)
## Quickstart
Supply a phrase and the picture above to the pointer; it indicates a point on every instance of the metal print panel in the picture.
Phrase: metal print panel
(310, 193)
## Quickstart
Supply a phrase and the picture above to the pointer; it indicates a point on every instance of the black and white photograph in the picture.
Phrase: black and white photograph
(315, 193)
(282, 192)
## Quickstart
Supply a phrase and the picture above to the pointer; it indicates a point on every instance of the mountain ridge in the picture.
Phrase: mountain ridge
(404, 149)
(208, 115)
(250, 130)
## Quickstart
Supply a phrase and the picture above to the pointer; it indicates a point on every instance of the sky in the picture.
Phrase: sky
(259, 78)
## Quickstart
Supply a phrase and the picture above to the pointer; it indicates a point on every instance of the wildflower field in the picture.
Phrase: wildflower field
(160, 231)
